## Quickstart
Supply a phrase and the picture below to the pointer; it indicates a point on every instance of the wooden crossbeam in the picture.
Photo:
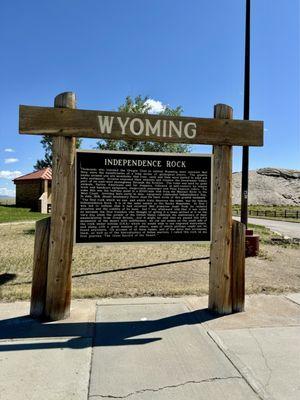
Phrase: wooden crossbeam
(138, 127)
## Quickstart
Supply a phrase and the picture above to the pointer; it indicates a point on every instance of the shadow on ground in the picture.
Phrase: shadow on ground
(141, 267)
(6, 277)
(104, 333)
(109, 271)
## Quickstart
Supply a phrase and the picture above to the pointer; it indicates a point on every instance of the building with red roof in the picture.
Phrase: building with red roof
(34, 190)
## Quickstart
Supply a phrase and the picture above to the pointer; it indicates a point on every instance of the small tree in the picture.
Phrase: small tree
(141, 105)
(45, 162)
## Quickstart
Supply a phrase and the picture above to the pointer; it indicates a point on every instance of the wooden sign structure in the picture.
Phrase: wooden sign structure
(51, 288)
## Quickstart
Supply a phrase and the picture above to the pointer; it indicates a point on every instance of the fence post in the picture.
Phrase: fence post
(220, 300)
(40, 264)
(62, 212)
(238, 266)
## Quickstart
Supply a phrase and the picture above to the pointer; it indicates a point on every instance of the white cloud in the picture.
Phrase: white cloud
(266, 130)
(10, 174)
(156, 106)
(10, 160)
(7, 192)
(9, 150)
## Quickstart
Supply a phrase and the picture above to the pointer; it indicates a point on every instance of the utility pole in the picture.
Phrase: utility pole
(245, 162)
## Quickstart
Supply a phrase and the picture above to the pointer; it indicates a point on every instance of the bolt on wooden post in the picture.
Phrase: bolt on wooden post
(58, 296)
(220, 300)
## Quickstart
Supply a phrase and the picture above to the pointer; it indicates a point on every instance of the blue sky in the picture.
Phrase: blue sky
(187, 53)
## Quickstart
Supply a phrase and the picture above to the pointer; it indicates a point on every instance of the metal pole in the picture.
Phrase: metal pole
(245, 163)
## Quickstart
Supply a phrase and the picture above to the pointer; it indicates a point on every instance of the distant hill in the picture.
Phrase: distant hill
(270, 186)
(7, 199)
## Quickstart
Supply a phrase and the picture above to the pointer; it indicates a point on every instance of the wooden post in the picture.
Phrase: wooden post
(238, 266)
(220, 300)
(62, 219)
(40, 263)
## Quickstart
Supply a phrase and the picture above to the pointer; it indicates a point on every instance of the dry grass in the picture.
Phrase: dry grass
(141, 270)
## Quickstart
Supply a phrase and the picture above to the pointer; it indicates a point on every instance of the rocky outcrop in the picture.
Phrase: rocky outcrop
(270, 186)
(283, 173)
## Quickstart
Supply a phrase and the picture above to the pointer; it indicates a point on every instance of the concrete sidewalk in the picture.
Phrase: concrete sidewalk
(153, 348)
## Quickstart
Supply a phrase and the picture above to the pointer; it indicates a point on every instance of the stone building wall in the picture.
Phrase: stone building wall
(28, 193)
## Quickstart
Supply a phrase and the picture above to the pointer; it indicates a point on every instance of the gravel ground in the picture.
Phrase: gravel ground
(141, 270)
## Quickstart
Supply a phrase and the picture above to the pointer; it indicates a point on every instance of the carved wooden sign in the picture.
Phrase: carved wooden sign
(139, 127)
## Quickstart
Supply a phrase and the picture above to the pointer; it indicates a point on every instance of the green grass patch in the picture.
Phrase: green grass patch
(264, 233)
(279, 213)
(261, 207)
(267, 236)
(14, 214)
(270, 209)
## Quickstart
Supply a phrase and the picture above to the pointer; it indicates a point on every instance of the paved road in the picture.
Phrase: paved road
(290, 229)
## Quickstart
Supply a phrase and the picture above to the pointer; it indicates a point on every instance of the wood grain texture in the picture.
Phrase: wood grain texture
(220, 300)
(84, 123)
(238, 266)
(62, 221)
(40, 264)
